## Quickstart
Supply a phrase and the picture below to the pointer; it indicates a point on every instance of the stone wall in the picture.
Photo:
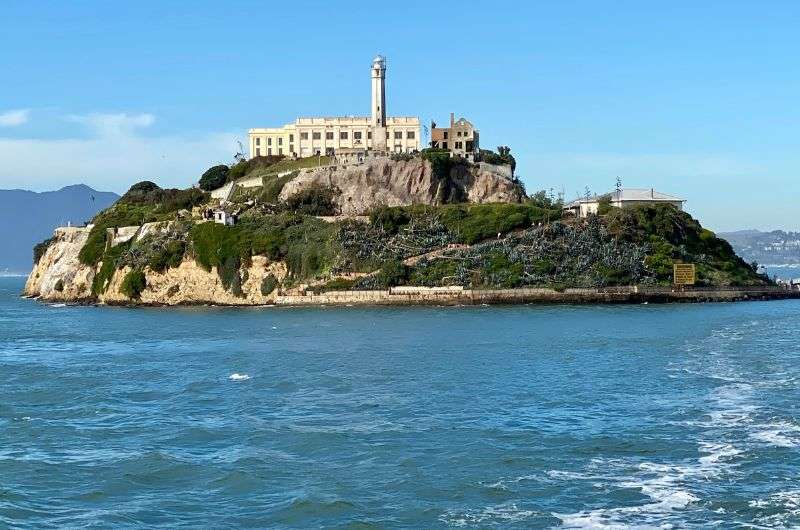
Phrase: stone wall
(457, 296)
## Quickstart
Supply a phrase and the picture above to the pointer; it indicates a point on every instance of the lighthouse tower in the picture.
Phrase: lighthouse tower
(379, 103)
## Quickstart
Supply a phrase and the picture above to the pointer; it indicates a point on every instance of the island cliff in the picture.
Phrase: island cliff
(438, 233)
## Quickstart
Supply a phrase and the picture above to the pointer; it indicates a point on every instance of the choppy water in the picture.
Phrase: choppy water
(514, 417)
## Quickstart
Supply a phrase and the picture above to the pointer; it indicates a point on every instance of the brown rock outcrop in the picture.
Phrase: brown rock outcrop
(382, 181)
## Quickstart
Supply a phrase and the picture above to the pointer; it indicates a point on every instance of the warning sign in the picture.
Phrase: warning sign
(683, 273)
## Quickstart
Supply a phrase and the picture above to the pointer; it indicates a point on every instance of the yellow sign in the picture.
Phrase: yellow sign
(683, 273)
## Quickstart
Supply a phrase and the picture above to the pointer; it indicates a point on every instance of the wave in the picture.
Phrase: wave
(779, 434)
(238, 377)
(490, 515)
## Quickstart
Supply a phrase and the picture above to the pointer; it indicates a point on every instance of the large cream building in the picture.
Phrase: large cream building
(331, 135)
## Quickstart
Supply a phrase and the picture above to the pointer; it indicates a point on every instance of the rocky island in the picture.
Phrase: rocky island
(421, 228)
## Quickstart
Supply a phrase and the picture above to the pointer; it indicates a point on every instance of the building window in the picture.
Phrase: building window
(258, 151)
(444, 144)
(329, 136)
(316, 136)
(280, 151)
(411, 135)
(458, 133)
(398, 135)
(291, 138)
(269, 141)
(387, 135)
(291, 148)
(445, 136)
(258, 141)
(343, 135)
(304, 136)
(269, 151)
(280, 141)
(369, 135)
(357, 135)
(458, 145)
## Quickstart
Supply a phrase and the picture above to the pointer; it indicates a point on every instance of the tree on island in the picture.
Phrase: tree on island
(214, 177)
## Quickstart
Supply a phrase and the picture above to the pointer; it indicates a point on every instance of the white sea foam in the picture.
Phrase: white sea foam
(238, 377)
(498, 514)
(786, 502)
(780, 434)
(58, 305)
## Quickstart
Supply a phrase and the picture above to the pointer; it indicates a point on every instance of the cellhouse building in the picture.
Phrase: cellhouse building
(343, 134)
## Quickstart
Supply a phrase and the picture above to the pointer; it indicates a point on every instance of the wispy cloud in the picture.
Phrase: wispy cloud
(12, 118)
(113, 124)
(113, 157)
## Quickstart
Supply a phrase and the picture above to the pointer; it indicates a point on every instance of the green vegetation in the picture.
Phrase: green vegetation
(675, 236)
(503, 156)
(442, 165)
(268, 284)
(167, 256)
(133, 284)
(604, 205)
(300, 163)
(214, 177)
(40, 248)
(314, 200)
(467, 223)
(337, 284)
(309, 246)
(145, 202)
(267, 193)
(112, 260)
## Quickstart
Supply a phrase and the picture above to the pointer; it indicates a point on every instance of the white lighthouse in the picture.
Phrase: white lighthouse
(379, 103)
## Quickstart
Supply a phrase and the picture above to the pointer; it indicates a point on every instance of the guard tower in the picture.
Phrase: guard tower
(378, 71)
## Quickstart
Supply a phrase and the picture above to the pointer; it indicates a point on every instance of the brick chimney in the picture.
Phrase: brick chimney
(452, 119)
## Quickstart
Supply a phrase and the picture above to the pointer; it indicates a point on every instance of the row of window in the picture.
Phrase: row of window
(269, 151)
(343, 135)
(269, 140)
(458, 133)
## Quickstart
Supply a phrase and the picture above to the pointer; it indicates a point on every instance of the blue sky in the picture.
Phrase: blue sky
(698, 99)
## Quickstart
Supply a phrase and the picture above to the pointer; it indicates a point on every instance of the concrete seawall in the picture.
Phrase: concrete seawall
(611, 295)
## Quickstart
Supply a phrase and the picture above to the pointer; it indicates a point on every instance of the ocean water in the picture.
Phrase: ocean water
(651, 416)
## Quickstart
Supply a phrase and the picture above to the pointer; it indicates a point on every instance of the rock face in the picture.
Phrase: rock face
(382, 181)
(190, 284)
(59, 275)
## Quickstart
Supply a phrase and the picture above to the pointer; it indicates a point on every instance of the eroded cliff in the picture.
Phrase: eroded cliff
(387, 182)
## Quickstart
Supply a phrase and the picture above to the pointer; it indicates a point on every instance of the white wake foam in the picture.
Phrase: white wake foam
(238, 377)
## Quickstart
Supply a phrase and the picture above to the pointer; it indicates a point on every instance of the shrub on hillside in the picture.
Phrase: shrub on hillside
(268, 284)
(133, 284)
(40, 248)
(214, 177)
(167, 256)
(390, 219)
(315, 200)
(393, 272)
(503, 156)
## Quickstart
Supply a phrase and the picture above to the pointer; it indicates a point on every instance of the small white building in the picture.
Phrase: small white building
(224, 218)
(623, 198)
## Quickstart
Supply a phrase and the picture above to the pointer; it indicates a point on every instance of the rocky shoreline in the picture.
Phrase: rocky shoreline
(467, 297)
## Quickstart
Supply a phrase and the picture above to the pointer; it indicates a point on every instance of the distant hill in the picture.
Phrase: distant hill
(766, 248)
(28, 217)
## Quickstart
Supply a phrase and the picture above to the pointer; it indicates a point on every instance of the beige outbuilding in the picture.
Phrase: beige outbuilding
(622, 198)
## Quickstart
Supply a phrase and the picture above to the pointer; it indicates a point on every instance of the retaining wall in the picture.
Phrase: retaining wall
(621, 295)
